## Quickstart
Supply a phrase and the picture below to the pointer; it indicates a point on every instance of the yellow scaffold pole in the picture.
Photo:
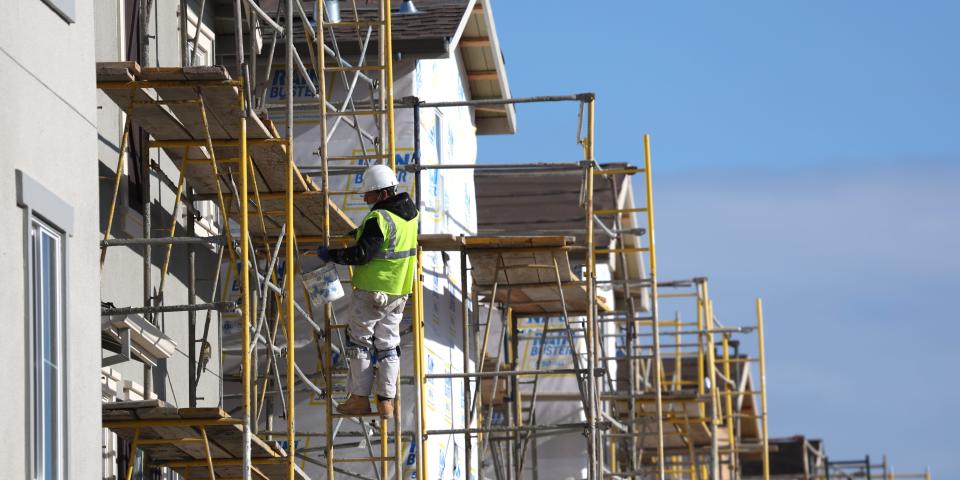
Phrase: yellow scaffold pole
(763, 391)
(418, 362)
(245, 282)
(657, 367)
(388, 62)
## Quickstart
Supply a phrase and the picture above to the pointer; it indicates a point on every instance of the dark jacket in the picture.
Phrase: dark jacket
(372, 238)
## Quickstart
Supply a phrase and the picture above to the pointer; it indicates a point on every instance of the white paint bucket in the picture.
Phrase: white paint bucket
(323, 284)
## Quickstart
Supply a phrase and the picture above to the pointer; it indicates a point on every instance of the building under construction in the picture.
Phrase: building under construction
(231, 139)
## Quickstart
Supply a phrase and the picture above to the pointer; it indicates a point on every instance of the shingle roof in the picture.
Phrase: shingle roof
(425, 34)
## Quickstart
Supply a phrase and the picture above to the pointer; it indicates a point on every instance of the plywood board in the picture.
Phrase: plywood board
(182, 121)
(226, 441)
(527, 277)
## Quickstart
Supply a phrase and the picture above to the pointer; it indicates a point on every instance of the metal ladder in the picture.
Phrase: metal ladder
(378, 147)
(632, 325)
(334, 379)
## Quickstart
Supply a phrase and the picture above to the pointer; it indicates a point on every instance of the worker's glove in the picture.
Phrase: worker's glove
(323, 253)
(380, 299)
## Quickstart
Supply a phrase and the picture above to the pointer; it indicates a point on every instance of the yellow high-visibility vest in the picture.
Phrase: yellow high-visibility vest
(393, 266)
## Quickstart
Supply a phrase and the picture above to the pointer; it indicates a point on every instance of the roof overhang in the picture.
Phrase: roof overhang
(547, 202)
(486, 73)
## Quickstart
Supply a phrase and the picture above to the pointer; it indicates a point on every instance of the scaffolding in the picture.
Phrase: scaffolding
(863, 468)
(671, 414)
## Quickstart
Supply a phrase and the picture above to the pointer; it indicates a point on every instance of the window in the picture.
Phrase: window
(438, 136)
(209, 222)
(201, 56)
(46, 258)
(204, 39)
(47, 227)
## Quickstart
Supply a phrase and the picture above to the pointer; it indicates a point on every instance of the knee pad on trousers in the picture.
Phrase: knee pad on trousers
(356, 351)
(388, 353)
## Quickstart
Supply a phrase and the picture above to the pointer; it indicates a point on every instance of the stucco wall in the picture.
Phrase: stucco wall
(48, 131)
(122, 275)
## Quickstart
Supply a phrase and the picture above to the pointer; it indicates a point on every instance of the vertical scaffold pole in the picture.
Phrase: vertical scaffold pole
(192, 374)
(465, 312)
(325, 186)
(246, 470)
(418, 346)
(419, 440)
(291, 256)
(593, 452)
(147, 258)
(655, 319)
(727, 391)
(245, 282)
(763, 391)
(712, 372)
(388, 72)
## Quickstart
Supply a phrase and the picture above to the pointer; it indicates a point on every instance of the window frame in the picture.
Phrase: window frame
(41, 266)
(44, 209)
(209, 223)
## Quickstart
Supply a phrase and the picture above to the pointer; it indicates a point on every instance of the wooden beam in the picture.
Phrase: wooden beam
(499, 110)
(475, 42)
(482, 75)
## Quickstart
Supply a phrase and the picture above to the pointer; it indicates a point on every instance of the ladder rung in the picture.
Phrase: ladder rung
(350, 415)
(618, 210)
(166, 102)
(362, 23)
(349, 113)
(358, 157)
(618, 171)
(167, 441)
(361, 68)
(621, 250)
(363, 459)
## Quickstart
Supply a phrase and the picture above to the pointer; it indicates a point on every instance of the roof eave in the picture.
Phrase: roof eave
(505, 124)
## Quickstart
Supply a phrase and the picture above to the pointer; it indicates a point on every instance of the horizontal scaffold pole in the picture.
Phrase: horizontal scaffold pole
(506, 373)
(221, 306)
(522, 428)
(215, 143)
(263, 195)
(115, 242)
(167, 84)
(169, 422)
(409, 102)
(540, 166)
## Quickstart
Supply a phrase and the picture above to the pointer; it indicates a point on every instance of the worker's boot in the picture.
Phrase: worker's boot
(385, 407)
(355, 405)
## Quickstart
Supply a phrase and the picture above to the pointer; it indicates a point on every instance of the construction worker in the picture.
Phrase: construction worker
(384, 253)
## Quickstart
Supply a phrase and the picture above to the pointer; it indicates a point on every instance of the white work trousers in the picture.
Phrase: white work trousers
(374, 330)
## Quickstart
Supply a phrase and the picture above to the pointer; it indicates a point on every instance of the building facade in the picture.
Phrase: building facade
(48, 205)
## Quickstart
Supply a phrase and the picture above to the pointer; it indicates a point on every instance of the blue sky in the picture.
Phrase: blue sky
(805, 152)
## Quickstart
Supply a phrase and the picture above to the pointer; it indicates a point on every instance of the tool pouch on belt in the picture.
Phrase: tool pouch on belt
(388, 353)
(356, 351)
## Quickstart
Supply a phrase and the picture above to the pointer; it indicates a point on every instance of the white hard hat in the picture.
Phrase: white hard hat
(378, 177)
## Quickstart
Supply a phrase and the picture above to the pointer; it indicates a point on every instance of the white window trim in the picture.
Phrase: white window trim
(208, 224)
(39, 227)
(206, 39)
(46, 208)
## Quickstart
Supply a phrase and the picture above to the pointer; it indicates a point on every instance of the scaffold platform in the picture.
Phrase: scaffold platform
(188, 111)
(198, 443)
